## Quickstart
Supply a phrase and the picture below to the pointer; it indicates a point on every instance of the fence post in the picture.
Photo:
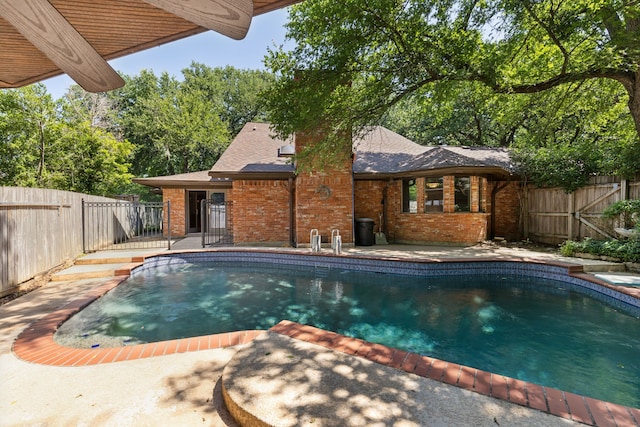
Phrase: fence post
(570, 214)
(84, 246)
(525, 214)
(204, 212)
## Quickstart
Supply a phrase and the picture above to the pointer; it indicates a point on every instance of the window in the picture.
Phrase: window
(409, 196)
(462, 194)
(433, 195)
(217, 198)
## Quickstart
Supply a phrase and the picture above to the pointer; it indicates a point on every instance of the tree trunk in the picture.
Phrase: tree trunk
(634, 100)
(42, 148)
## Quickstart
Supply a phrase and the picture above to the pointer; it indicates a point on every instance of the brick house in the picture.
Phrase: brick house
(417, 194)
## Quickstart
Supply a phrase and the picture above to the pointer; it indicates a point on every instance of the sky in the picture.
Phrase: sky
(209, 48)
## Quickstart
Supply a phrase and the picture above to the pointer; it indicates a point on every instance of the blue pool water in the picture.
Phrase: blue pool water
(537, 330)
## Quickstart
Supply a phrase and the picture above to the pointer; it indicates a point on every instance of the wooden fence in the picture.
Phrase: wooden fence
(550, 215)
(39, 229)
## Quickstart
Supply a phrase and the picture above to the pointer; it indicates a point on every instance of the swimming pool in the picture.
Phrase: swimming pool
(526, 321)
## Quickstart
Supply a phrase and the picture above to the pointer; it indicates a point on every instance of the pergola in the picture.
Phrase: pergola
(44, 38)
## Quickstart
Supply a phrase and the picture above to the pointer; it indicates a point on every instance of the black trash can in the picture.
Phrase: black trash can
(364, 232)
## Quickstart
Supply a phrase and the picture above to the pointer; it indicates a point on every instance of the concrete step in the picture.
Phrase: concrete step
(89, 271)
(116, 257)
(103, 264)
(604, 267)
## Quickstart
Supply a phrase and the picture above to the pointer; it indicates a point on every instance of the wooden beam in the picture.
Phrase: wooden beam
(40, 23)
(229, 17)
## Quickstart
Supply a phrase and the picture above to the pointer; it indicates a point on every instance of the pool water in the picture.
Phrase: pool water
(540, 331)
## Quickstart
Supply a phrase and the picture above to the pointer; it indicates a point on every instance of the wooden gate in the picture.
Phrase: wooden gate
(554, 216)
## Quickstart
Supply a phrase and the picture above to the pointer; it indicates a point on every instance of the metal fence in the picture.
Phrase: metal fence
(125, 225)
(216, 224)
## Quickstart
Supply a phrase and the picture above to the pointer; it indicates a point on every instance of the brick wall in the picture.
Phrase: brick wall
(445, 227)
(368, 201)
(460, 227)
(324, 195)
(324, 201)
(507, 211)
(261, 211)
(448, 226)
(177, 197)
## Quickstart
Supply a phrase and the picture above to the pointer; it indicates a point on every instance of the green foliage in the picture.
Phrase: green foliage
(627, 211)
(58, 145)
(566, 166)
(91, 160)
(534, 75)
(184, 126)
(236, 92)
(28, 129)
(94, 143)
(625, 250)
(453, 113)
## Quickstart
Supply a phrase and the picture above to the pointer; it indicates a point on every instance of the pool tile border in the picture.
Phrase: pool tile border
(36, 344)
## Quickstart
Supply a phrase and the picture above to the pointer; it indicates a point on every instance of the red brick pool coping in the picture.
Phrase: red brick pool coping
(36, 344)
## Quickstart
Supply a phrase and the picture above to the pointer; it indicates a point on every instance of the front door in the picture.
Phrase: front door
(195, 224)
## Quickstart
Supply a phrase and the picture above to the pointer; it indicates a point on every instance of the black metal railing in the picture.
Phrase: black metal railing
(125, 225)
(216, 223)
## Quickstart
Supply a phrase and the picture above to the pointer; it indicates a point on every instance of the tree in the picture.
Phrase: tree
(59, 144)
(92, 157)
(560, 137)
(236, 91)
(356, 59)
(90, 160)
(28, 129)
(184, 126)
(455, 113)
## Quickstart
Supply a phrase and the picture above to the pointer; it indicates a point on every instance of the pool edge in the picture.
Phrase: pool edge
(35, 344)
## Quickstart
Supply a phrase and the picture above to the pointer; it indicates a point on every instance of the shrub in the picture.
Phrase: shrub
(627, 211)
(626, 250)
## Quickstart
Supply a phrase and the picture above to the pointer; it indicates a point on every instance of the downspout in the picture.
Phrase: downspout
(353, 206)
(292, 235)
(385, 209)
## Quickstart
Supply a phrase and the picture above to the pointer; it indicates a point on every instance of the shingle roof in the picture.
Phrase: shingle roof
(381, 151)
(254, 150)
(378, 151)
(455, 156)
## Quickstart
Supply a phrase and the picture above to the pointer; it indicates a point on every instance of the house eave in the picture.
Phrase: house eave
(181, 183)
(252, 175)
(488, 172)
